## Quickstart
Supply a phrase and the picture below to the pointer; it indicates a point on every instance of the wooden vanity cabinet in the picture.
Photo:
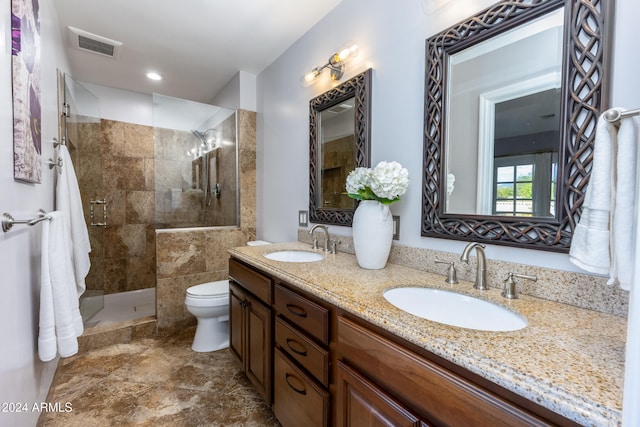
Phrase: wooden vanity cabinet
(301, 360)
(318, 365)
(251, 325)
(379, 379)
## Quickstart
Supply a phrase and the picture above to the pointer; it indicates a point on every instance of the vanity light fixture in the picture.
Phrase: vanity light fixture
(335, 64)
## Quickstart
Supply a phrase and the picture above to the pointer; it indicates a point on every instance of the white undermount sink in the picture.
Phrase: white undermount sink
(455, 309)
(294, 256)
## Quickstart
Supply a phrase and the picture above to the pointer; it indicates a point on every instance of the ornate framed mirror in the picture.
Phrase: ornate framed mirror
(339, 141)
(512, 97)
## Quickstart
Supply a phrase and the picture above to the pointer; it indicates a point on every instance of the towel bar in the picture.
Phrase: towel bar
(613, 115)
(8, 221)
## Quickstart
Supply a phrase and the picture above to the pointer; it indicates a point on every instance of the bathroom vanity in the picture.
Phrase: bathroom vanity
(328, 349)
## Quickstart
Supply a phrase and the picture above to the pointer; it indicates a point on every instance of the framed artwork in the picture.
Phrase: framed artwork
(25, 66)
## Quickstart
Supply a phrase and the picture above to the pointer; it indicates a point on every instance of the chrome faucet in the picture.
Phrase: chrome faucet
(315, 239)
(481, 269)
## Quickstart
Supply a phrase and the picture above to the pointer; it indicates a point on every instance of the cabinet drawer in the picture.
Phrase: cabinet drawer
(312, 357)
(297, 400)
(434, 392)
(252, 281)
(305, 314)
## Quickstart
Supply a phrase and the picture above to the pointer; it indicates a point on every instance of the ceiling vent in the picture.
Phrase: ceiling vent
(94, 43)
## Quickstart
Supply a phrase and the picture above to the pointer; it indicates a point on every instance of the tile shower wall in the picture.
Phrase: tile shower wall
(189, 257)
(115, 161)
(179, 190)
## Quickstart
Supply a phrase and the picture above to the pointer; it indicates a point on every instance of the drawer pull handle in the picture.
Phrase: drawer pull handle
(291, 343)
(296, 310)
(301, 390)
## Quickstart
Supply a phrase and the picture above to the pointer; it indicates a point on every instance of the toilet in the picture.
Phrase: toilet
(209, 303)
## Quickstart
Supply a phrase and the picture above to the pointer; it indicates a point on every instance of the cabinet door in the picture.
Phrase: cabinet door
(431, 390)
(361, 403)
(236, 321)
(298, 400)
(258, 356)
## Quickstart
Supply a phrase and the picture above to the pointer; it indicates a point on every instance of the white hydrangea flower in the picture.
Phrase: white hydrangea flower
(357, 180)
(384, 183)
(389, 180)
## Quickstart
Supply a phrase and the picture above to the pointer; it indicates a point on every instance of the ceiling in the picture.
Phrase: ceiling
(197, 46)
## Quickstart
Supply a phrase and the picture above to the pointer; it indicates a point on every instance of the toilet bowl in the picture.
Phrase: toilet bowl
(209, 303)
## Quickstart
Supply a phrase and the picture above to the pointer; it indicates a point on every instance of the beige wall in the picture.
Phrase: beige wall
(187, 257)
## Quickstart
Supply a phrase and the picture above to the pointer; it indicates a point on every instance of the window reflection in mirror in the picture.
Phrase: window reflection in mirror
(336, 139)
(503, 126)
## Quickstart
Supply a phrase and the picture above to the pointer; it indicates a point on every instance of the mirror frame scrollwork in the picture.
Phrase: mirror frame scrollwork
(359, 88)
(584, 95)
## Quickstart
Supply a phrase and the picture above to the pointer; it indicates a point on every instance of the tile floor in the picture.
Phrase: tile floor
(155, 382)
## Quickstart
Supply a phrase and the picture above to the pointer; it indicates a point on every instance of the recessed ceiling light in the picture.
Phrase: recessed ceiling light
(154, 76)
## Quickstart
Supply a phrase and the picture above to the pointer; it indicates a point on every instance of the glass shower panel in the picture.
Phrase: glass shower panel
(81, 133)
(196, 164)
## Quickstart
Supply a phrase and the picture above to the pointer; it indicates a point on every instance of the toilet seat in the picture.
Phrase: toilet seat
(210, 290)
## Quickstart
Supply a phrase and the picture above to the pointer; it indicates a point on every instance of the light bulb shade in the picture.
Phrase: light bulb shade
(311, 75)
(348, 53)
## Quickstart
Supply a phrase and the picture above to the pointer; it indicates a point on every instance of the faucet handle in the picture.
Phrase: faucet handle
(314, 245)
(452, 276)
(334, 246)
(510, 290)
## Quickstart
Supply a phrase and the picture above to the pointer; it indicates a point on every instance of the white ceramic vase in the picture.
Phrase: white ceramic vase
(372, 234)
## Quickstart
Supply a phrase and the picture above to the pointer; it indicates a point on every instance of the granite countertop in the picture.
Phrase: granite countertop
(569, 360)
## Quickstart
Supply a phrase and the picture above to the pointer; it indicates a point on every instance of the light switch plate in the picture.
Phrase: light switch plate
(303, 218)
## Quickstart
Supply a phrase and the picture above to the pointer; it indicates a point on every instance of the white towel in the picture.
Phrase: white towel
(68, 199)
(590, 241)
(603, 239)
(623, 224)
(60, 319)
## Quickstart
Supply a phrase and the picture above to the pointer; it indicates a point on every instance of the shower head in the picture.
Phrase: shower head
(207, 138)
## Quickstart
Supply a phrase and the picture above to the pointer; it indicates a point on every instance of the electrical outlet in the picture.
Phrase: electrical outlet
(303, 218)
(396, 227)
